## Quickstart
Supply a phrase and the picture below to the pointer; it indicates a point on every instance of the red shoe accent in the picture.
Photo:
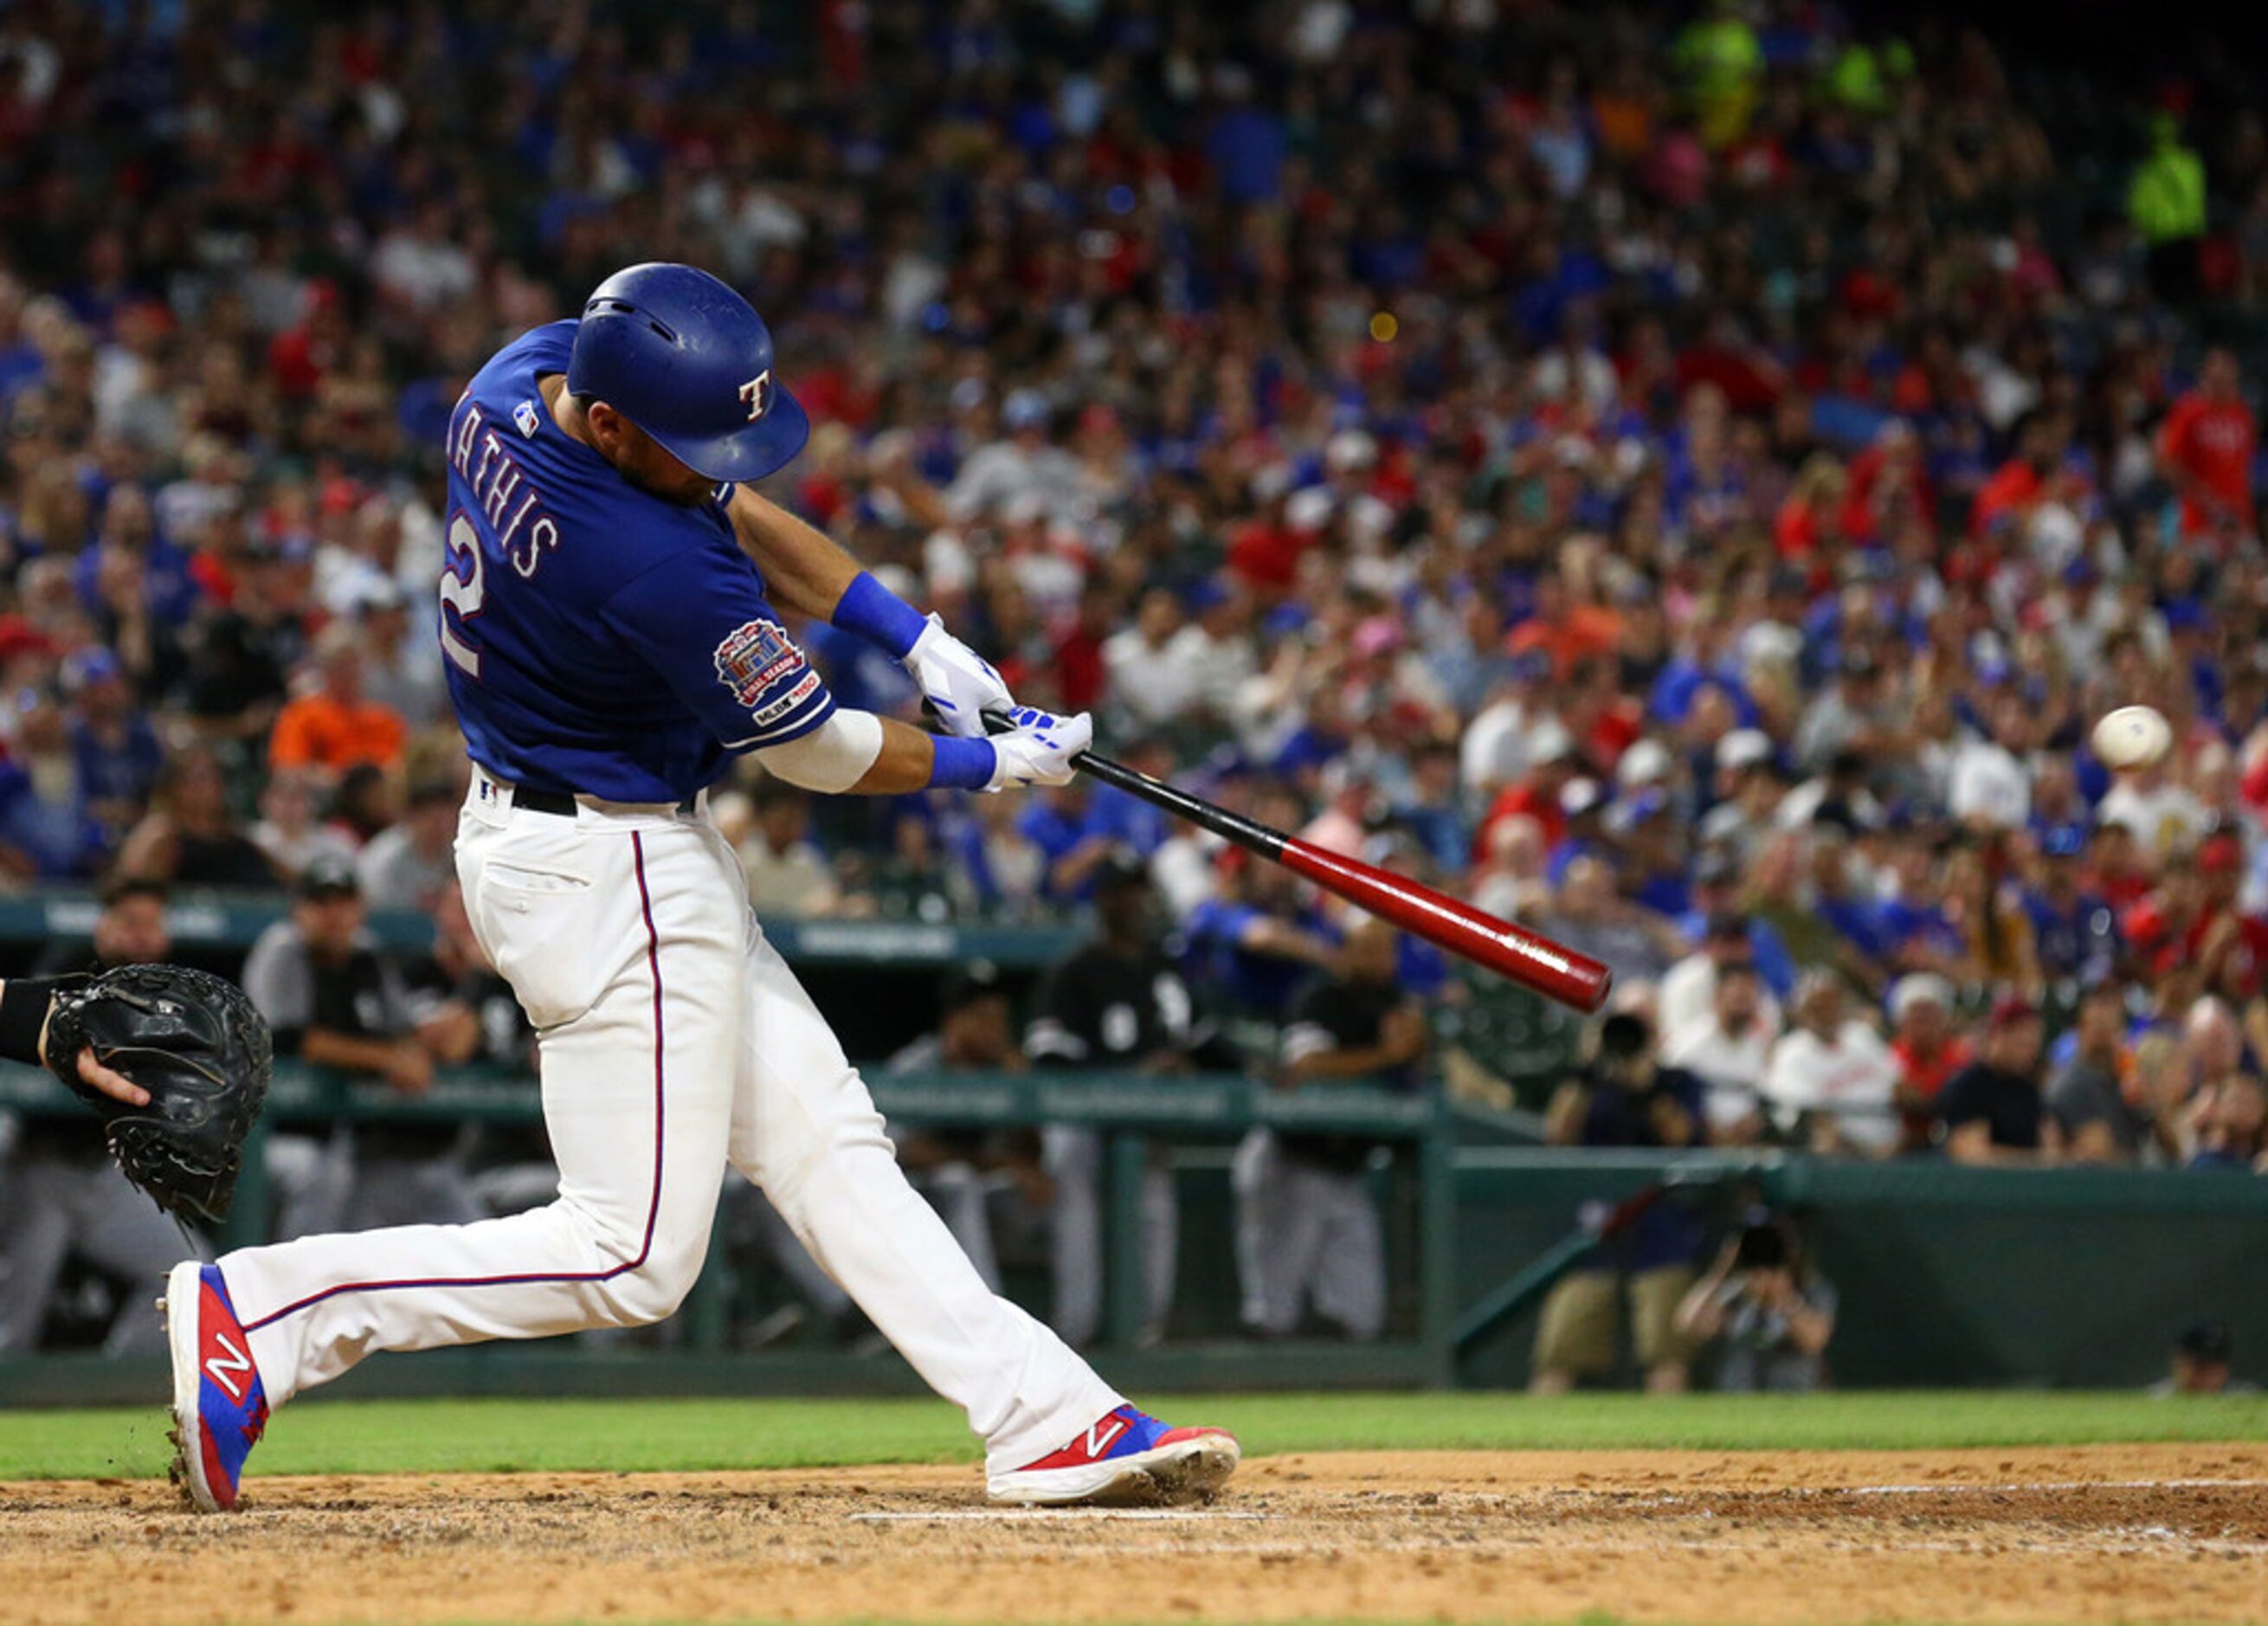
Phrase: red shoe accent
(1113, 1434)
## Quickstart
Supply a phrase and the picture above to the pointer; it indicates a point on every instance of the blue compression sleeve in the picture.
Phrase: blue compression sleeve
(962, 764)
(878, 615)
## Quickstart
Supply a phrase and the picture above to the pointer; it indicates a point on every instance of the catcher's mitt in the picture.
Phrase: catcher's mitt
(194, 1042)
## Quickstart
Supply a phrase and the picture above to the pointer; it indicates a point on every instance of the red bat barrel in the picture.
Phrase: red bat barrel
(1509, 951)
(1532, 961)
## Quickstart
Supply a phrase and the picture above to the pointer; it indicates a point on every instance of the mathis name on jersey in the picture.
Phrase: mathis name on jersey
(506, 497)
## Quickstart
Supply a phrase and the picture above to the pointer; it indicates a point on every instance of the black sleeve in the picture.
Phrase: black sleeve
(60, 959)
(213, 679)
(1312, 1003)
(280, 983)
(339, 997)
(1200, 1038)
(1063, 1026)
(1960, 1102)
(1314, 1024)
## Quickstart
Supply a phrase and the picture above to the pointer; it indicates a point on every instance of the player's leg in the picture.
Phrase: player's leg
(1662, 1351)
(622, 951)
(957, 1192)
(807, 1132)
(39, 1217)
(1277, 1234)
(123, 1234)
(314, 1178)
(1350, 1265)
(794, 1259)
(1072, 1154)
(1575, 1333)
(405, 1190)
(1162, 1240)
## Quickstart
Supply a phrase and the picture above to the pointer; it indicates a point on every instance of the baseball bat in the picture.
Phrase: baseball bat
(1527, 959)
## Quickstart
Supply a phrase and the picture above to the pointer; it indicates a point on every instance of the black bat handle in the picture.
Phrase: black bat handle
(1248, 833)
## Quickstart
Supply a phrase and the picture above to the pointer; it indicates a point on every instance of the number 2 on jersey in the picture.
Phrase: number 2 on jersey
(462, 593)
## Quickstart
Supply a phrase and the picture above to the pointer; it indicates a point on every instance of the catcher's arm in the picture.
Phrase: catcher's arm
(25, 1003)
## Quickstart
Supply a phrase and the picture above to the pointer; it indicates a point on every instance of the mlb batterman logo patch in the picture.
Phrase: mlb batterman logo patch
(754, 656)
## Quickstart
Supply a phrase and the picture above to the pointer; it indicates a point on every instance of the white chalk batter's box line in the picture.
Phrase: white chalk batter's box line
(2090, 1543)
(1046, 1515)
(1671, 1498)
(1051, 1515)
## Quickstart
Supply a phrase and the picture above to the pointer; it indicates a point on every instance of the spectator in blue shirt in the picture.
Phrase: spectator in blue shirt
(1125, 818)
(114, 749)
(44, 834)
(1913, 921)
(1715, 899)
(1247, 147)
(1255, 945)
(1434, 811)
(2074, 931)
(1864, 943)
(1062, 823)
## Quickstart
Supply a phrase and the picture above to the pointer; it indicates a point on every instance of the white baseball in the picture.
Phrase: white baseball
(2133, 736)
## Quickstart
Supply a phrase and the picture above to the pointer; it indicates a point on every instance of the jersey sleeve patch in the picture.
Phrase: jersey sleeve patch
(754, 656)
(767, 677)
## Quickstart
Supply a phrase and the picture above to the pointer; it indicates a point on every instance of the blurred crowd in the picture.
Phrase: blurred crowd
(1686, 479)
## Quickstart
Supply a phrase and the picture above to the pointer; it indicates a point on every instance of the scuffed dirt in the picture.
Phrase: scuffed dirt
(2159, 1532)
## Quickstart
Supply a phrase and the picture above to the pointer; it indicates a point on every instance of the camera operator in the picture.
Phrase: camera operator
(1624, 1098)
(1775, 1316)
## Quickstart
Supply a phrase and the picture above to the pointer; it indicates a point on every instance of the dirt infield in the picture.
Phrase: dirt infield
(2128, 1532)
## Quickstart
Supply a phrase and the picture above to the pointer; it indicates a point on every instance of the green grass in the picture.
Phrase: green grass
(406, 1437)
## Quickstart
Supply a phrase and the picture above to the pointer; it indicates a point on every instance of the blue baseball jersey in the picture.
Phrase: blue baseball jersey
(600, 639)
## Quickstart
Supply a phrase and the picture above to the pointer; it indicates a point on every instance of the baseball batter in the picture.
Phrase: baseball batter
(610, 614)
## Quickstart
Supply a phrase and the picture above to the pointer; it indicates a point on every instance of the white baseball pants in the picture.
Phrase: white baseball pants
(54, 1206)
(1303, 1233)
(673, 1040)
(1072, 1155)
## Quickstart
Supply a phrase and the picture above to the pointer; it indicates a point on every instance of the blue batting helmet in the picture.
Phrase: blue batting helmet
(689, 361)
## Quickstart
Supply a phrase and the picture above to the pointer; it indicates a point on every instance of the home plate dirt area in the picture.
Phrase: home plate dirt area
(2126, 1533)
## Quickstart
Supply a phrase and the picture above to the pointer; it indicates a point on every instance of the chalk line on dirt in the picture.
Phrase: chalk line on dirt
(1009, 1515)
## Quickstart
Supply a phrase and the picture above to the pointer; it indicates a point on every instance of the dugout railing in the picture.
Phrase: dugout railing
(1207, 1111)
(219, 923)
(1948, 1275)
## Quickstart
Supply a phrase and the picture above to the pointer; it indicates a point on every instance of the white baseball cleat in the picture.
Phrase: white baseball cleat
(1127, 1458)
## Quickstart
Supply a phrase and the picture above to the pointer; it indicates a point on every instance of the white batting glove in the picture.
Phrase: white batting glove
(1039, 749)
(959, 685)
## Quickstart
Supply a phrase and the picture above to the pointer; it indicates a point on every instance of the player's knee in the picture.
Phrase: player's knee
(651, 1292)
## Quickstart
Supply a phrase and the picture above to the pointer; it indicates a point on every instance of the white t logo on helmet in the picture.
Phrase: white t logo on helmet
(757, 392)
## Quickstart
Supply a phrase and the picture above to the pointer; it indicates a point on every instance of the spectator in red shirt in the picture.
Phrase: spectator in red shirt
(2164, 930)
(1265, 551)
(2205, 449)
(1929, 1049)
(2033, 475)
(1080, 676)
(1886, 483)
(1810, 517)
(1551, 758)
(2231, 947)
